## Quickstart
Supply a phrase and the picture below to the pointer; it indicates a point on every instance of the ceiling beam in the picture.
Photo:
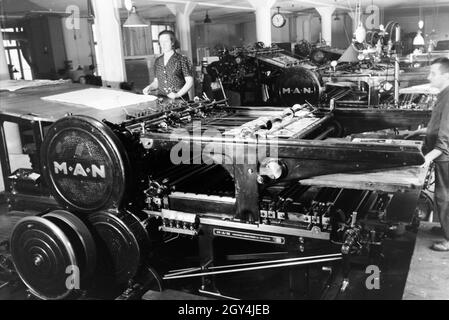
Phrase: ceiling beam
(215, 5)
(206, 4)
(324, 4)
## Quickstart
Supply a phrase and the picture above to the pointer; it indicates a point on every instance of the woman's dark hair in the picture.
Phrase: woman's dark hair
(173, 39)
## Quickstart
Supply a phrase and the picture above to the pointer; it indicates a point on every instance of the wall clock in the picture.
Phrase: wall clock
(278, 19)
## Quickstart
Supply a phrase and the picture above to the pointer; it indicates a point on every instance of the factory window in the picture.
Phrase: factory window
(155, 29)
(16, 53)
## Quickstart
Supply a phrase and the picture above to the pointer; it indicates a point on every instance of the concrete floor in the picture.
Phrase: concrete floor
(428, 278)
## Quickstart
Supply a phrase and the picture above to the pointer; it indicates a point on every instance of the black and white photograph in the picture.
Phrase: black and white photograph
(224, 155)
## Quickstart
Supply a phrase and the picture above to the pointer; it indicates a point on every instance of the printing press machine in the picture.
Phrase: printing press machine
(274, 77)
(108, 186)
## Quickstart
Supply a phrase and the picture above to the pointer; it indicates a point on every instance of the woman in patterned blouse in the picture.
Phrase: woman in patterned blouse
(173, 72)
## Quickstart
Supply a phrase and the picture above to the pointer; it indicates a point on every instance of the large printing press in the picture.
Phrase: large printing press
(110, 189)
(366, 74)
(127, 193)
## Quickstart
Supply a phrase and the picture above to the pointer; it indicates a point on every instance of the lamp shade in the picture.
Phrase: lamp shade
(350, 55)
(418, 40)
(134, 21)
(207, 19)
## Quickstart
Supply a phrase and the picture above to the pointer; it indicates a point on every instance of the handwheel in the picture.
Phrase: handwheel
(80, 238)
(41, 253)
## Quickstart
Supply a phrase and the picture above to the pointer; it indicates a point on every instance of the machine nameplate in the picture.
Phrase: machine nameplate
(248, 236)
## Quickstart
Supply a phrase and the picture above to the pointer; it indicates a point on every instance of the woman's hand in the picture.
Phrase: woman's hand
(147, 90)
(152, 86)
(172, 95)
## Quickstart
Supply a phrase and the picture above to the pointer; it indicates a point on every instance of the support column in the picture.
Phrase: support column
(182, 13)
(293, 28)
(263, 19)
(10, 129)
(4, 72)
(108, 30)
(326, 23)
(307, 28)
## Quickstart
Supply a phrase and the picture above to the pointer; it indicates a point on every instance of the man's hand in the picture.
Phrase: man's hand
(172, 95)
(411, 134)
(431, 156)
(427, 162)
(415, 133)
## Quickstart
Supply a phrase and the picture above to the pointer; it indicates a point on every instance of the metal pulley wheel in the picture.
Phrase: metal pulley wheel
(81, 240)
(53, 255)
(122, 242)
(84, 164)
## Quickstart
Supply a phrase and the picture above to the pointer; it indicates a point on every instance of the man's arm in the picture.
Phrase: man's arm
(416, 133)
(442, 143)
(432, 155)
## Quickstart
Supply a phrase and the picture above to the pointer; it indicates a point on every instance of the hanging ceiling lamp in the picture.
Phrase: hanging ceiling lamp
(418, 40)
(133, 21)
(207, 19)
(360, 32)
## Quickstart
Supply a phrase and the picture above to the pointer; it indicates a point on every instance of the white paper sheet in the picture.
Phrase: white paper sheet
(101, 99)
(13, 85)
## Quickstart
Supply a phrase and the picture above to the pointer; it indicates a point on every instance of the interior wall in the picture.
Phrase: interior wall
(77, 43)
(315, 29)
(277, 34)
(249, 32)
(341, 31)
(437, 19)
(216, 35)
(282, 34)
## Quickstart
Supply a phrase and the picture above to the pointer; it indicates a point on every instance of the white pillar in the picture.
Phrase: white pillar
(306, 28)
(13, 141)
(293, 29)
(4, 72)
(182, 13)
(109, 42)
(263, 19)
(326, 23)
